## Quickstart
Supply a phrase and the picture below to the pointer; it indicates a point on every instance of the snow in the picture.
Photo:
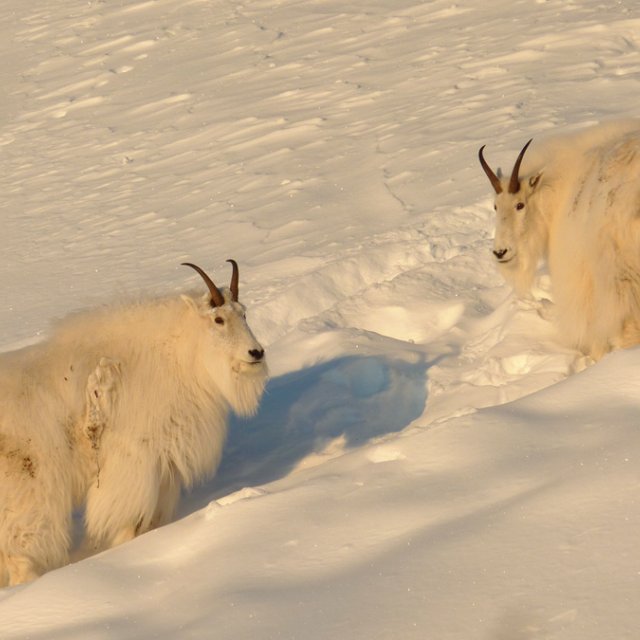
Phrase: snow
(428, 462)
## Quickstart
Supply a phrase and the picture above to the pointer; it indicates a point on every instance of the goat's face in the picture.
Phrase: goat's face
(513, 211)
(230, 335)
(513, 222)
(232, 356)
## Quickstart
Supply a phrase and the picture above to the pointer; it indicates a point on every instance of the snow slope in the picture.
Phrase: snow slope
(428, 462)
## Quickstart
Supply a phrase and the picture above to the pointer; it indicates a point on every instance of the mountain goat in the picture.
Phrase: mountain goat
(577, 206)
(117, 411)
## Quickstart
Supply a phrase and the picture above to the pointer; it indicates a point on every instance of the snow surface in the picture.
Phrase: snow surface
(428, 463)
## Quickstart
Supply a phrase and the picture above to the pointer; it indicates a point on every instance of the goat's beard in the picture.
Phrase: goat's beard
(519, 276)
(245, 386)
(520, 272)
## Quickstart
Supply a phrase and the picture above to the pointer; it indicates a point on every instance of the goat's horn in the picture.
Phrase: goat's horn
(234, 280)
(514, 182)
(217, 299)
(493, 178)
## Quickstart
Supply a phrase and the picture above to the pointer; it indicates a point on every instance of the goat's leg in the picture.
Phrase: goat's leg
(122, 501)
(35, 512)
(168, 497)
(4, 573)
(21, 569)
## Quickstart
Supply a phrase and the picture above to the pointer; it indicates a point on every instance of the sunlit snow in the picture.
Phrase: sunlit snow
(428, 462)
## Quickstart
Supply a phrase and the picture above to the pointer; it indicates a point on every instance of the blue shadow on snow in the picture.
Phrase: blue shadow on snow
(354, 398)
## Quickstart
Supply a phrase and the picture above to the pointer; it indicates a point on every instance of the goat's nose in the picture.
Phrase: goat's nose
(499, 253)
(256, 354)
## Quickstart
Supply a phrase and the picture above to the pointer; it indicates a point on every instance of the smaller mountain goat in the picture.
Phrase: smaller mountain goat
(577, 206)
(121, 408)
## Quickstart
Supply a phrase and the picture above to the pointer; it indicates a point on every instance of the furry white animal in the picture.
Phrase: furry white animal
(577, 207)
(121, 408)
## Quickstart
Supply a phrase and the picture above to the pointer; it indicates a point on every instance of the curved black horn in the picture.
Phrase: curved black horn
(217, 299)
(514, 182)
(493, 178)
(235, 278)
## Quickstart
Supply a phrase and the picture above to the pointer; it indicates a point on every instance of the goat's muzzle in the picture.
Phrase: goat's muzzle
(500, 253)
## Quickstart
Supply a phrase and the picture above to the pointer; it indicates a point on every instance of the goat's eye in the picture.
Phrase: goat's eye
(219, 320)
(520, 206)
(495, 207)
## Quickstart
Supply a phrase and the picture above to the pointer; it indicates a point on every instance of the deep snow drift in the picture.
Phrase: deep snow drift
(428, 462)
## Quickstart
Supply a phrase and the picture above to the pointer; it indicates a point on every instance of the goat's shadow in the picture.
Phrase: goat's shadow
(349, 401)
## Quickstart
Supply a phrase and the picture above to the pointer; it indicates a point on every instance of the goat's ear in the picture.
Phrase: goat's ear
(535, 180)
(201, 305)
(189, 301)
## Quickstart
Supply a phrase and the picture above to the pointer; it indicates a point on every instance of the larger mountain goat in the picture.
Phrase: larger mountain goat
(117, 411)
(576, 205)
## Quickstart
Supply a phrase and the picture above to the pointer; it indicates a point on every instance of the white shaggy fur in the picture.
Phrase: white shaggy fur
(121, 408)
(578, 208)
